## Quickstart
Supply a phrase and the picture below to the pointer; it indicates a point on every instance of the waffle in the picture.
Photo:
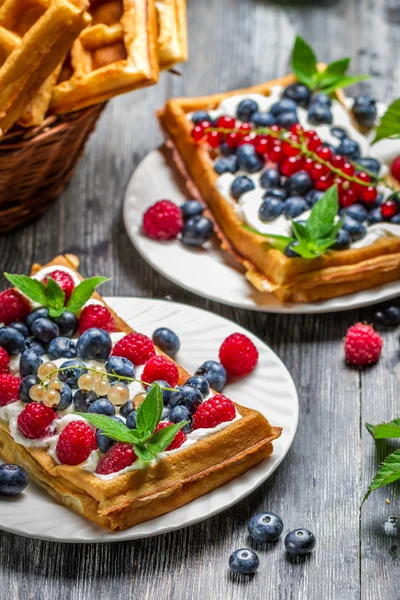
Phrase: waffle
(116, 54)
(172, 32)
(174, 480)
(33, 41)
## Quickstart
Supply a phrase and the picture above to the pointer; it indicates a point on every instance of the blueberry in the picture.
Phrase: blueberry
(165, 413)
(339, 132)
(319, 114)
(298, 184)
(246, 109)
(215, 374)
(356, 229)
(249, 160)
(393, 315)
(45, 330)
(70, 371)
(13, 480)
(265, 527)
(294, 207)
(286, 105)
(270, 178)
(276, 192)
(36, 345)
(166, 394)
(357, 212)
(200, 383)
(120, 366)
(380, 318)
(244, 561)
(300, 542)
(181, 413)
(61, 347)
(199, 116)
(348, 148)
(191, 208)
(364, 111)
(21, 327)
(270, 209)
(229, 164)
(343, 240)
(126, 409)
(197, 231)
(102, 406)
(67, 323)
(104, 443)
(312, 197)
(375, 216)
(94, 344)
(241, 185)
(298, 92)
(29, 363)
(11, 340)
(287, 119)
(290, 250)
(226, 150)
(65, 397)
(370, 164)
(322, 99)
(395, 219)
(131, 420)
(38, 313)
(167, 340)
(83, 399)
(263, 119)
(187, 396)
(25, 385)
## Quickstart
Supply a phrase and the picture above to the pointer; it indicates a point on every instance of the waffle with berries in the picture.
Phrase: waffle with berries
(129, 497)
(296, 279)
(172, 32)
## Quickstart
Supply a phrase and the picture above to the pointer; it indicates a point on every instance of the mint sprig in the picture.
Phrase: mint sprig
(388, 472)
(389, 125)
(384, 431)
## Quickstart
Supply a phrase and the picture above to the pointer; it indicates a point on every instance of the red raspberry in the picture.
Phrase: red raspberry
(178, 439)
(35, 419)
(13, 307)
(64, 280)
(219, 409)
(362, 345)
(162, 221)
(135, 346)
(76, 442)
(98, 316)
(118, 457)
(4, 361)
(160, 367)
(238, 354)
(395, 168)
(9, 389)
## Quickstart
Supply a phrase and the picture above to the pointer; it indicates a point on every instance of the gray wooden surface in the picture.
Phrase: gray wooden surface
(234, 43)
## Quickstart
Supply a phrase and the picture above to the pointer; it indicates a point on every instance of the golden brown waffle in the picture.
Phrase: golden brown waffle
(35, 36)
(172, 32)
(116, 54)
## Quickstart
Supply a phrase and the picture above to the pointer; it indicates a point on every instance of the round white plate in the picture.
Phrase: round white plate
(210, 272)
(269, 389)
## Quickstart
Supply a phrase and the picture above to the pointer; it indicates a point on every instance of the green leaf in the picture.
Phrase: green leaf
(144, 453)
(333, 71)
(112, 428)
(304, 62)
(322, 218)
(162, 438)
(388, 472)
(384, 431)
(148, 414)
(343, 82)
(83, 292)
(34, 289)
(390, 122)
(280, 241)
(55, 298)
(300, 231)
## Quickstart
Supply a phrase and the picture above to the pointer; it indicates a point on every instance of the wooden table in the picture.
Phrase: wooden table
(234, 43)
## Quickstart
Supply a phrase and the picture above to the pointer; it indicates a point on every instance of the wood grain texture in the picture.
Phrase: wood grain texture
(234, 43)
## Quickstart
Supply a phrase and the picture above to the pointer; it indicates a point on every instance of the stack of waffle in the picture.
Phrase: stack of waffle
(58, 56)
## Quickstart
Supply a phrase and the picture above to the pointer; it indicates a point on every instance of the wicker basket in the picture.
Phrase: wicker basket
(36, 164)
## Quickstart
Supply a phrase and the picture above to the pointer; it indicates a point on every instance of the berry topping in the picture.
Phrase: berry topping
(13, 480)
(13, 307)
(64, 280)
(11, 340)
(76, 442)
(160, 367)
(214, 373)
(167, 340)
(119, 457)
(362, 345)
(197, 231)
(178, 440)
(135, 346)
(162, 221)
(9, 389)
(97, 316)
(34, 421)
(94, 344)
(238, 354)
(4, 361)
(216, 410)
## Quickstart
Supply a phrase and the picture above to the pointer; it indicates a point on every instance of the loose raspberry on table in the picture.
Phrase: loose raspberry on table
(97, 316)
(216, 410)
(238, 354)
(76, 442)
(160, 367)
(362, 345)
(64, 280)
(162, 221)
(9, 389)
(178, 440)
(13, 307)
(4, 361)
(34, 421)
(135, 346)
(120, 456)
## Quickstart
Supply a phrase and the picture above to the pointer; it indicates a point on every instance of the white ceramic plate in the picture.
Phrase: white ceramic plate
(210, 272)
(269, 389)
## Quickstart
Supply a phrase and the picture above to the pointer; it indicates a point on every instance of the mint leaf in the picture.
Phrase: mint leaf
(333, 71)
(144, 453)
(277, 241)
(162, 438)
(304, 62)
(113, 429)
(55, 298)
(83, 292)
(390, 122)
(322, 218)
(388, 472)
(342, 82)
(384, 431)
(35, 290)
(148, 414)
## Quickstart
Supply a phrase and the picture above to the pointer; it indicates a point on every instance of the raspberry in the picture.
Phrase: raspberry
(76, 442)
(160, 367)
(13, 307)
(178, 440)
(9, 389)
(362, 345)
(98, 316)
(238, 354)
(118, 457)
(162, 221)
(4, 361)
(135, 346)
(35, 419)
(219, 409)
(64, 280)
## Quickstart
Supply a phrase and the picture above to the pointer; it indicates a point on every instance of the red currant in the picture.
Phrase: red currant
(347, 169)
(233, 139)
(205, 125)
(276, 154)
(308, 164)
(389, 209)
(296, 129)
(310, 133)
(197, 133)
(347, 199)
(291, 165)
(288, 149)
(324, 182)
(246, 139)
(275, 128)
(324, 152)
(395, 168)
(363, 177)
(214, 138)
(313, 143)
(337, 161)
(356, 187)
(369, 194)
(245, 128)
(318, 171)
(262, 146)
(226, 122)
